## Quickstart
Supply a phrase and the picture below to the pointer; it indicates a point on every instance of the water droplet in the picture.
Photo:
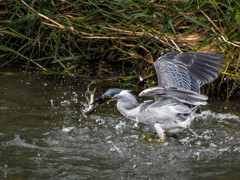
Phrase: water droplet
(51, 102)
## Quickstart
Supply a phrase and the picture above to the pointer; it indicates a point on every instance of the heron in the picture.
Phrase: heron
(176, 99)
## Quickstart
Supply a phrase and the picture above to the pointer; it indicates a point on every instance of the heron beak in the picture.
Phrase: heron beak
(101, 100)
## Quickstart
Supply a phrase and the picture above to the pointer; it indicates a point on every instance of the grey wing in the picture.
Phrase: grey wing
(188, 70)
(181, 95)
(205, 66)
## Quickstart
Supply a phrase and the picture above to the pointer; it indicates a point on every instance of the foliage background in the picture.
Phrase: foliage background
(117, 39)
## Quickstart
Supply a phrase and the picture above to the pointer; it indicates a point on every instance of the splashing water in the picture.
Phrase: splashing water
(44, 135)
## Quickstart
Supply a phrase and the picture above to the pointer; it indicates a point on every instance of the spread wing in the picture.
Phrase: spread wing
(188, 70)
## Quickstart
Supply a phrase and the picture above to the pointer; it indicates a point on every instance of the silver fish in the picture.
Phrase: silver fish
(90, 98)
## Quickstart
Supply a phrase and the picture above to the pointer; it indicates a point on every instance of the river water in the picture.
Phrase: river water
(43, 135)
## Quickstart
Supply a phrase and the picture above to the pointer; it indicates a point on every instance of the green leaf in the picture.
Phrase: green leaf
(172, 27)
(197, 22)
(5, 48)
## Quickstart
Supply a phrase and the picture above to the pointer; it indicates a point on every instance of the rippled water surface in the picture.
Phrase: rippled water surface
(43, 135)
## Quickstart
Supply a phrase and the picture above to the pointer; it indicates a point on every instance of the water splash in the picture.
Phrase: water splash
(17, 141)
(67, 129)
(208, 114)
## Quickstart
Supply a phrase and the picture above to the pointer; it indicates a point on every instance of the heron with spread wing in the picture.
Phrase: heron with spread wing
(177, 96)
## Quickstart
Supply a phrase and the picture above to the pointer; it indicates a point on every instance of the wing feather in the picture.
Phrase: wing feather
(188, 70)
(181, 95)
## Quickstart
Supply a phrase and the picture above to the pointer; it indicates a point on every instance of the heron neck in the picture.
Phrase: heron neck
(129, 110)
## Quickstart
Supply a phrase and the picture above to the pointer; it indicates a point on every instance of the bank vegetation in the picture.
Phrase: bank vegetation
(118, 39)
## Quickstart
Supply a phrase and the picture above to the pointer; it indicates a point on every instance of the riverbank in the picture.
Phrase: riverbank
(119, 39)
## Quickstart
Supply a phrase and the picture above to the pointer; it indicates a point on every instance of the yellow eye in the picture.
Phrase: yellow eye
(107, 97)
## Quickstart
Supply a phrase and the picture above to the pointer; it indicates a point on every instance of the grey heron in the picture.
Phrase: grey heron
(177, 96)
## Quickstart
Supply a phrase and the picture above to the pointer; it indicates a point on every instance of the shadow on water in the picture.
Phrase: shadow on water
(45, 136)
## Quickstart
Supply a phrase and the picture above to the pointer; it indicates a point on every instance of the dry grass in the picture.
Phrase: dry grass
(117, 37)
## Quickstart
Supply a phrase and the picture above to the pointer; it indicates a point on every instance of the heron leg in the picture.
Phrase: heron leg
(160, 132)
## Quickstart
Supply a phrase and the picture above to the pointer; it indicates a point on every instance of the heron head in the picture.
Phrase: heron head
(107, 96)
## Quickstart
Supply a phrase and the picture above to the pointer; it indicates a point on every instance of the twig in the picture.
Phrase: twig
(45, 17)
(224, 39)
(176, 45)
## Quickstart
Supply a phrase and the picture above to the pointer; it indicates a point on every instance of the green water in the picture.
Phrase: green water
(43, 135)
